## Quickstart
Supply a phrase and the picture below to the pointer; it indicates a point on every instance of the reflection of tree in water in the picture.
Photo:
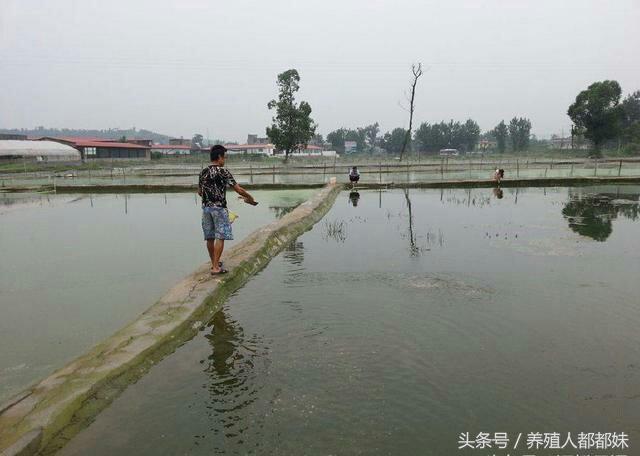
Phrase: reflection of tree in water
(11, 199)
(470, 199)
(413, 248)
(281, 211)
(232, 385)
(428, 239)
(294, 253)
(592, 215)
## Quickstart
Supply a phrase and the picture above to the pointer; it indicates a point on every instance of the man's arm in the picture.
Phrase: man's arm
(244, 194)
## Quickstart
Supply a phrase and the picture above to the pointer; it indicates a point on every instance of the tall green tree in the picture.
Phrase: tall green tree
(501, 133)
(292, 126)
(336, 138)
(519, 133)
(597, 112)
(394, 141)
(471, 134)
(631, 118)
(423, 137)
(371, 135)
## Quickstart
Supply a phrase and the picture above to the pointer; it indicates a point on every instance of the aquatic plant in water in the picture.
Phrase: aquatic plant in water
(336, 230)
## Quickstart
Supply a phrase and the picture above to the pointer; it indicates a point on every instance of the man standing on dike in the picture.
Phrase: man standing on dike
(212, 187)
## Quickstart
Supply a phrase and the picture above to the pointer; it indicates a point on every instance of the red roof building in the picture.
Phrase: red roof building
(99, 148)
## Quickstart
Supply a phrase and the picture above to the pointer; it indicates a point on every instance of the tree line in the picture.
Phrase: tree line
(293, 128)
(431, 138)
(597, 115)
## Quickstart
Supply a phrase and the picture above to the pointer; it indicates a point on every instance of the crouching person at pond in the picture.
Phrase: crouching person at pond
(212, 187)
(354, 176)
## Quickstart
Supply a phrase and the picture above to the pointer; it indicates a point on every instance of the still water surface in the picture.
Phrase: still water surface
(74, 269)
(403, 319)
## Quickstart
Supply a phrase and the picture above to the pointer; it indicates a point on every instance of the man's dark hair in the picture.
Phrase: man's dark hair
(217, 151)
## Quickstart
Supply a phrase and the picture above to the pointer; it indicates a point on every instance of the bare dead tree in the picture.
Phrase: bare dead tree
(416, 70)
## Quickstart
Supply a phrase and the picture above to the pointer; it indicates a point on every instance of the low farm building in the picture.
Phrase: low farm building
(270, 150)
(43, 151)
(311, 151)
(97, 148)
(568, 143)
(170, 149)
(260, 149)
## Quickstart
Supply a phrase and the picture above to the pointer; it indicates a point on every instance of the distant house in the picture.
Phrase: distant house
(486, 144)
(168, 149)
(350, 146)
(179, 142)
(560, 142)
(270, 150)
(100, 149)
(568, 143)
(259, 149)
(254, 139)
(310, 151)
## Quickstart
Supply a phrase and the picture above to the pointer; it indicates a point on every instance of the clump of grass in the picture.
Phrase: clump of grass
(336, 230)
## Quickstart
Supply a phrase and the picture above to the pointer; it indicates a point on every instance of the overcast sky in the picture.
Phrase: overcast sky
(185, 66)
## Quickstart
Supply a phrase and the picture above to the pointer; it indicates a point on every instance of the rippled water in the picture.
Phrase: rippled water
(403, 319)
(74, 269)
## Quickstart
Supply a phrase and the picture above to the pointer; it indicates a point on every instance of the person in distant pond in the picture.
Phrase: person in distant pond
(354, 176)
(498, 175)
(212, 187)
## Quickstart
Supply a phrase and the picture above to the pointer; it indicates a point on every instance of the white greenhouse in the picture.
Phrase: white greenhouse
(37, 150)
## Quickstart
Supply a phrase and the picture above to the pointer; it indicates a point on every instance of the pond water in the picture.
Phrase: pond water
(402, 320)
(75, 269)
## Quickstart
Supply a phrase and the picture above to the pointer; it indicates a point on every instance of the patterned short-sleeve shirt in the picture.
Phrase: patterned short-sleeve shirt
(213, 183)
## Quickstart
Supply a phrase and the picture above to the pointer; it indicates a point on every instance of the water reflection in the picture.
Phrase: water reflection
(232, 369)
(414, 250)
(354, 197)
(281, 211)
(478, 200)
(12, 199)
(498, 193)
(591, 215)
(294, 253)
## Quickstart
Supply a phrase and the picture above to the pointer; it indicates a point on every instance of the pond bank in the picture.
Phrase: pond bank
(444, 183)
(45, 416)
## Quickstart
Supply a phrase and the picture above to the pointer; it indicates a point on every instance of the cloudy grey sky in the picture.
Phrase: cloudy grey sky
(185, 66)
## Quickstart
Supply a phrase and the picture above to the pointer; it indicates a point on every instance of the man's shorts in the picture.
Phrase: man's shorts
(215, 223)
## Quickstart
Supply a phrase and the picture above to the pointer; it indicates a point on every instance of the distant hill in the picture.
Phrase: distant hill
(112, 133)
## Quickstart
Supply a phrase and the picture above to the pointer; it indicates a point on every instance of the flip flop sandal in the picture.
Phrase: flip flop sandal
(222, 271)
